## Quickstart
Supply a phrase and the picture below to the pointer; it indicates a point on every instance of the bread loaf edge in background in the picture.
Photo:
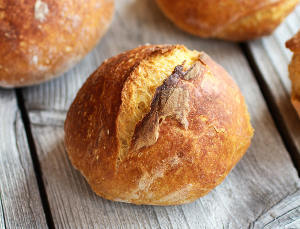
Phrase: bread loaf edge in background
(227, 19)
(41, 39)
(294, 70)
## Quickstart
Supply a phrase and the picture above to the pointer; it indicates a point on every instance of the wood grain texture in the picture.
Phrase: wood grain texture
(272, 58)
(285, 214)
(2, 219)
(257, 183)
(20, 204)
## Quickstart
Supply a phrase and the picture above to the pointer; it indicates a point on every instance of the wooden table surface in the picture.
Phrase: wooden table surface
(39, 188)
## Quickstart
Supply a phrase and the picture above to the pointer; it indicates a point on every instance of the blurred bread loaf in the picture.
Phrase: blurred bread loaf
(41, 39)
(159, 124)
(294, 69)
(227, 19)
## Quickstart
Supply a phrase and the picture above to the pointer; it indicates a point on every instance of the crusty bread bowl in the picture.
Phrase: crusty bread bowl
(294, 68)
(227, 19)
(159, 125)
(40, 39)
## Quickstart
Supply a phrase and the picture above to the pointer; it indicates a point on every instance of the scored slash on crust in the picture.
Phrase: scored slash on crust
(170, 99)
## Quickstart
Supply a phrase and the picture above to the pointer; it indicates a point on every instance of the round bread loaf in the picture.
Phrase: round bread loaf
(235, 20)
(40, 39)
(294, 69)
(158, 125)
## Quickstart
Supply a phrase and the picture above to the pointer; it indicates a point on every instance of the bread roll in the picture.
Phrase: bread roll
(227, 19)
(159, 125)
(294, 69)
(40, 39)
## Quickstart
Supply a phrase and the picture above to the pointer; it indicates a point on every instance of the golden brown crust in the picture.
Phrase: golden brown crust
(294, 43)
(227, 19)
(294, 70)
(40, 39)
(97, 138)
(197, 145)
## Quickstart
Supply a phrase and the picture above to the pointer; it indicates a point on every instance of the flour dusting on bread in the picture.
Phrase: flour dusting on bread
(41, 10)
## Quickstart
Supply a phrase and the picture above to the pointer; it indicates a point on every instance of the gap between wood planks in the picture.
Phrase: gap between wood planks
(274, 111)
(34, 157)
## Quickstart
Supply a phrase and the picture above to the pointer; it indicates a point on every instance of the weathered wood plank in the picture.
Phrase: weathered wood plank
(272, 59)
(263, 177)
(2, 219)
(20, 204)
(72, 202)
(285, 214)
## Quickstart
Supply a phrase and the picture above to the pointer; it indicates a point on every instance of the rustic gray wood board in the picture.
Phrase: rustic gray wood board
(257, 183)
(272, 58)
(2, 220)
(283, 215)
(20, 204)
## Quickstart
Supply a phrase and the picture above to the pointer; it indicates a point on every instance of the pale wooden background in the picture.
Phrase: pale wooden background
(39, 188)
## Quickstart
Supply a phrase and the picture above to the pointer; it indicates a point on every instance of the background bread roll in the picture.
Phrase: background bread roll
(227, 19)
(294, 69)
(40, 39)
(158, 125)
